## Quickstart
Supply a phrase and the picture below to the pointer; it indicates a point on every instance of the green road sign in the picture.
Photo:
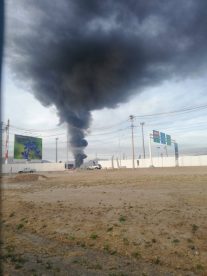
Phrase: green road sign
(156, 136)
(168, 138)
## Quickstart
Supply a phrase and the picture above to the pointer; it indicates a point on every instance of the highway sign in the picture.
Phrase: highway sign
(156, 136)
(168, 138)
(163, 138)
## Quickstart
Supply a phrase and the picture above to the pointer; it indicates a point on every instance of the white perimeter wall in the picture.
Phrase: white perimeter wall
(39, 167)
(200, 160)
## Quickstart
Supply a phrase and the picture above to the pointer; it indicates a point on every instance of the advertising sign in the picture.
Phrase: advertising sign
(27, 147)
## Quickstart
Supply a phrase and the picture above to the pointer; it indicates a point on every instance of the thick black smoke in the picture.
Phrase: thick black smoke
(85, 55)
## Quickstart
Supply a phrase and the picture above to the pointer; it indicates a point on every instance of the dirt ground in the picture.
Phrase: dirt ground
(106, 222)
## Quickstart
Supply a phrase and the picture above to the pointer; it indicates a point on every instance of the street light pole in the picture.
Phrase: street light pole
(131, 117)
(150, 150)
(56, 151)
(7, 143)
(166, 150)
(158, 151)
(67, 146)
(143, 146)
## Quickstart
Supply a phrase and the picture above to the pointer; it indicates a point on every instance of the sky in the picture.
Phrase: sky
(98, 90)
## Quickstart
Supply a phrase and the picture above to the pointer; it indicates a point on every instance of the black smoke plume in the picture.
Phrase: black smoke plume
(84, 55)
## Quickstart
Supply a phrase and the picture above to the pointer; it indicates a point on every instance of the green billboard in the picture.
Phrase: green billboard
(27, 147)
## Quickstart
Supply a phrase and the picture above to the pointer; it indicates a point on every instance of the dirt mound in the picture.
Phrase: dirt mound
(29, 177)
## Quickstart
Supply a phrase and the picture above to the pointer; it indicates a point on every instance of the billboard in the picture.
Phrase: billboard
(27, 147)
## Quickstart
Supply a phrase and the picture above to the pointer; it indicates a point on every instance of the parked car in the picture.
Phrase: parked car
(27, 170)
(94, 167)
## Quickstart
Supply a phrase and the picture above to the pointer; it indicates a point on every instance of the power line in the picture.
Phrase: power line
(107, 133)
(183, 110)
(187, 126)
(187, 109)
(108, 127)
(35, 130)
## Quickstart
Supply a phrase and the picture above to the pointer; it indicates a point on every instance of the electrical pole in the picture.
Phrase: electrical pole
(112, 162)
(131, 117)
(158, 151)
(119, 150)
(150, 150)
(1, 141)
(56, 151)
(67, 146)
(143, 146)
(7, 143)
(166, 151)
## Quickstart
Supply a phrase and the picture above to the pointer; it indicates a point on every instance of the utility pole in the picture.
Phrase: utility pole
(158, 151)
(56, 150)
(143, 146)
(112, 162)
(165, 147)
(7, 143)
(67, 146)
(119, 150)
(1, 141)
(131, 117)
(150, 149)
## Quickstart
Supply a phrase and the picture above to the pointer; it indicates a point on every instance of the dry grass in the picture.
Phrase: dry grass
(150, 220)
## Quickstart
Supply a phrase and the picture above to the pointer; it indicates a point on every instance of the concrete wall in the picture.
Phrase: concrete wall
(156, 162)
(200, 160)
(107, 164)
(39, 167)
